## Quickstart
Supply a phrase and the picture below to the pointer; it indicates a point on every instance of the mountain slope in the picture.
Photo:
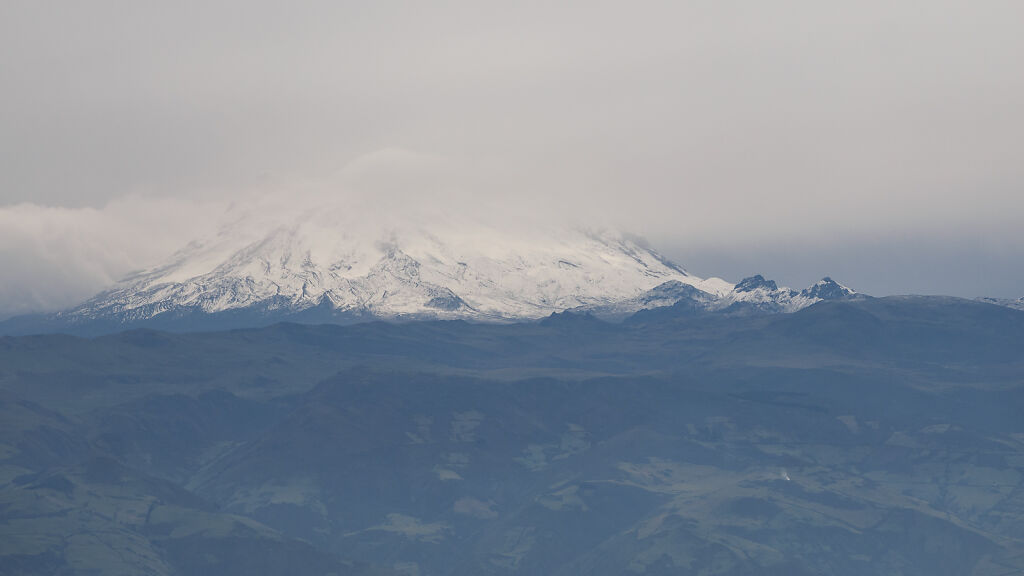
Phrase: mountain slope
(856, 436)
(339, 264)
(444, 270)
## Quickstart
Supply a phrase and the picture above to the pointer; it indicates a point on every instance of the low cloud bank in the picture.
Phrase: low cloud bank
(56, 257)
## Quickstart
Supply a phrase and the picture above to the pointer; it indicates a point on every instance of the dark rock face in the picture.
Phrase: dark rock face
(676, 290)
(447, 301)
(827, 289)
(754, 282)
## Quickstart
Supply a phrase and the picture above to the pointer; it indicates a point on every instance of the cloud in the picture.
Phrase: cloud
(708, 127)
(54, 257)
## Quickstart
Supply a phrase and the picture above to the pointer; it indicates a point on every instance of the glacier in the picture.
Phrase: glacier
(352, 265)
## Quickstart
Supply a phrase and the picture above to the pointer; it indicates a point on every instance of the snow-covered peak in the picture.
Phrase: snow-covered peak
(345, 260)
(756, 293)
(756, 282)
(441, 267)
(826, 289)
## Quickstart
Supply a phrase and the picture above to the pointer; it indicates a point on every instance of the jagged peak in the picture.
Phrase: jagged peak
(751, 283)
(827, 289)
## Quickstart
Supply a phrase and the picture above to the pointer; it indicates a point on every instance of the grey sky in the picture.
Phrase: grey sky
(880, 142)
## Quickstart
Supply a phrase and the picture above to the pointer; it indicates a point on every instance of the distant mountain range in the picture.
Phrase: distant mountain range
(325, 266)
(571, 402)
(855, 436)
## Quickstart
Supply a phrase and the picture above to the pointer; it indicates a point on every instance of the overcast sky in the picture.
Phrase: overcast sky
(881, 143)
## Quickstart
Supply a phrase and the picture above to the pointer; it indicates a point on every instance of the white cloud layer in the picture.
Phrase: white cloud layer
(54, 257)
(724, 128)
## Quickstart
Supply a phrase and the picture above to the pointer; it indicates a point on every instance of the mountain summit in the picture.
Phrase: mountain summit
(334, 264)
(326, 261)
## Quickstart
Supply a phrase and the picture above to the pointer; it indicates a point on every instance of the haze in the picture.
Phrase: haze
(877, 142)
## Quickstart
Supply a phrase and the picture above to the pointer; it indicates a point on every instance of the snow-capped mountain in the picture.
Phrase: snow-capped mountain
(750, 295)
(664, 295)
(334, 264)
(757, 294)
(445, 269)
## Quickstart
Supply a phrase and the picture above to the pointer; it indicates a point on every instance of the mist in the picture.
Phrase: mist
(877, 142)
